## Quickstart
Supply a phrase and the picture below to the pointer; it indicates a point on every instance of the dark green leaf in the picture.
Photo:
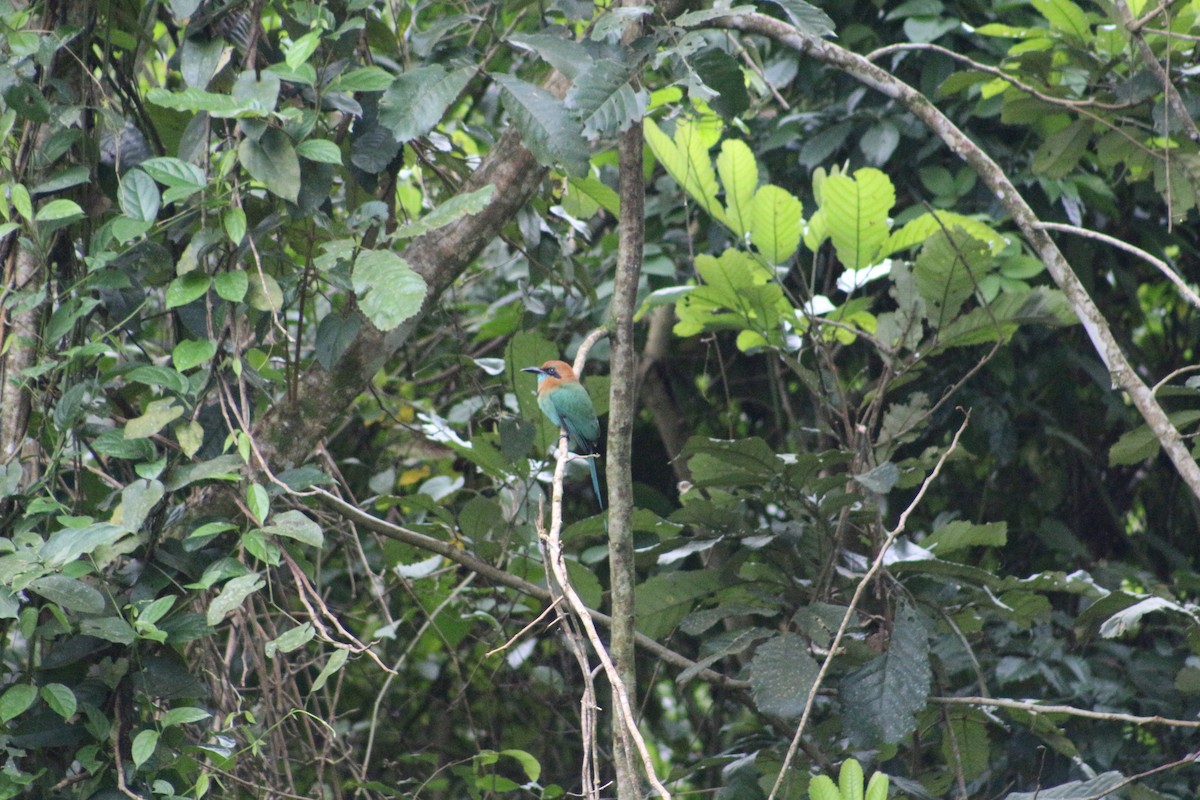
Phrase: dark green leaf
(16, 700)
(550, 132)
(1098, 786)
(272, 161)
(70, 593)
(808, 19)
(110, 629)
(959, 535)
(781, 675)
(880, 700)
(605, 101)
(417, 100)
(568, 57)
(664, 600)
(723, 75)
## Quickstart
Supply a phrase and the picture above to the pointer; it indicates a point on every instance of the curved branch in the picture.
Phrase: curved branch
(1105, 344)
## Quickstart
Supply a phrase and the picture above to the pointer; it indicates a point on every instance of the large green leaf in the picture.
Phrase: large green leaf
(1065, 16)
(738, 171)
(881, 699)
(948, 271)
(856, 215)
(605, 101)
(776, 224)
(568, 57)
(664, 600)
(781, 675)
(417, 100)
(450, 211)
(808, 19)
(548, 129)
(723, 76)
(271, 159)
(389, 291)
(685, 158)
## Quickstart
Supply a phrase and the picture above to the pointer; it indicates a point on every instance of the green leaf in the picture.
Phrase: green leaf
(550, 132)
(1099, 786)
(568, 57)
(739, 176)
(58, 211)
(880, 700)
(1061, 151)
(605, 101)
(389, 291)
(856, 214)
(60, 699)
(190, 436)
(918, 229)
(16, 700)
(727, 463)
(183, 715)
(529, 765)
(822, 787)
(156, 610)
(592, 191)
(139, 196)
(70, 593)
(232, 595)
(850, 780)
(143, 746)
(232, 285)
(259, 502)
(264, 293)
(186, 288)
(417, 100)
(138, 499)
(1065, 16)
(1139, 444)
(298, 52)
(685, 158)
(723, 75)
(271, 160)
(959, 535)
(217, 106)
(69, 544)
(174, 173)
(330, 669)
(322, 151)
(260, 89)
(363, 79)
(110, 629)
(881, 478)
(163, 377)
(775, 223)
(808, 19)
(781, 675)
(947, 271)
(452, 210)
(158, 414)
(662, 601)
(234, 222)
(295, 525)
(192, 352)
(290, 640)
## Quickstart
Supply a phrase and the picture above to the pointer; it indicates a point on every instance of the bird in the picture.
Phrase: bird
(565, 402)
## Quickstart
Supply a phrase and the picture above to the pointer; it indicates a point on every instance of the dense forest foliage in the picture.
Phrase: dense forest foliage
(888, 308)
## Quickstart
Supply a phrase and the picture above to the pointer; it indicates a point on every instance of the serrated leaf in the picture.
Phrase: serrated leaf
(1061, 151)
(389, 291)
(880, 700)
(192, 353)
(158, 414)
(856, 215)
(139, 196)
(417, 100)
(776, 224)
(781, 675)
(877, 787)
(738, 171)
(1139, 444)
(271, 160)
(808, 19)
(605, 101)
(850, 780)
(232, 595)
(567, 56)
(547, 129)
(822, 787)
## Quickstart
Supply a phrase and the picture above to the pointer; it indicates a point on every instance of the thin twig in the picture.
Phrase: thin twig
(852, 608)
(1033, 707)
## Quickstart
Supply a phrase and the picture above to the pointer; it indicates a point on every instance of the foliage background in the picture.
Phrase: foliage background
(271, 474)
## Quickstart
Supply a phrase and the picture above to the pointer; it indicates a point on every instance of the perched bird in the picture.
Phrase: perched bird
(562, 398)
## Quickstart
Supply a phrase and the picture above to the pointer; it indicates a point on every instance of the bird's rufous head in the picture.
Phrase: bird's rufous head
(559, 371)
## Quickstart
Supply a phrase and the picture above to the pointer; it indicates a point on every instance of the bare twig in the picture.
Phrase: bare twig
(1033, 707)
(852, 608)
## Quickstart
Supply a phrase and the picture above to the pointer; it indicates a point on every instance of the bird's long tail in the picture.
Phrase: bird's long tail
(596, 482)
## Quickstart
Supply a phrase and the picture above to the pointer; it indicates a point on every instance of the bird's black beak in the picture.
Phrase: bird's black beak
(534, 370)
